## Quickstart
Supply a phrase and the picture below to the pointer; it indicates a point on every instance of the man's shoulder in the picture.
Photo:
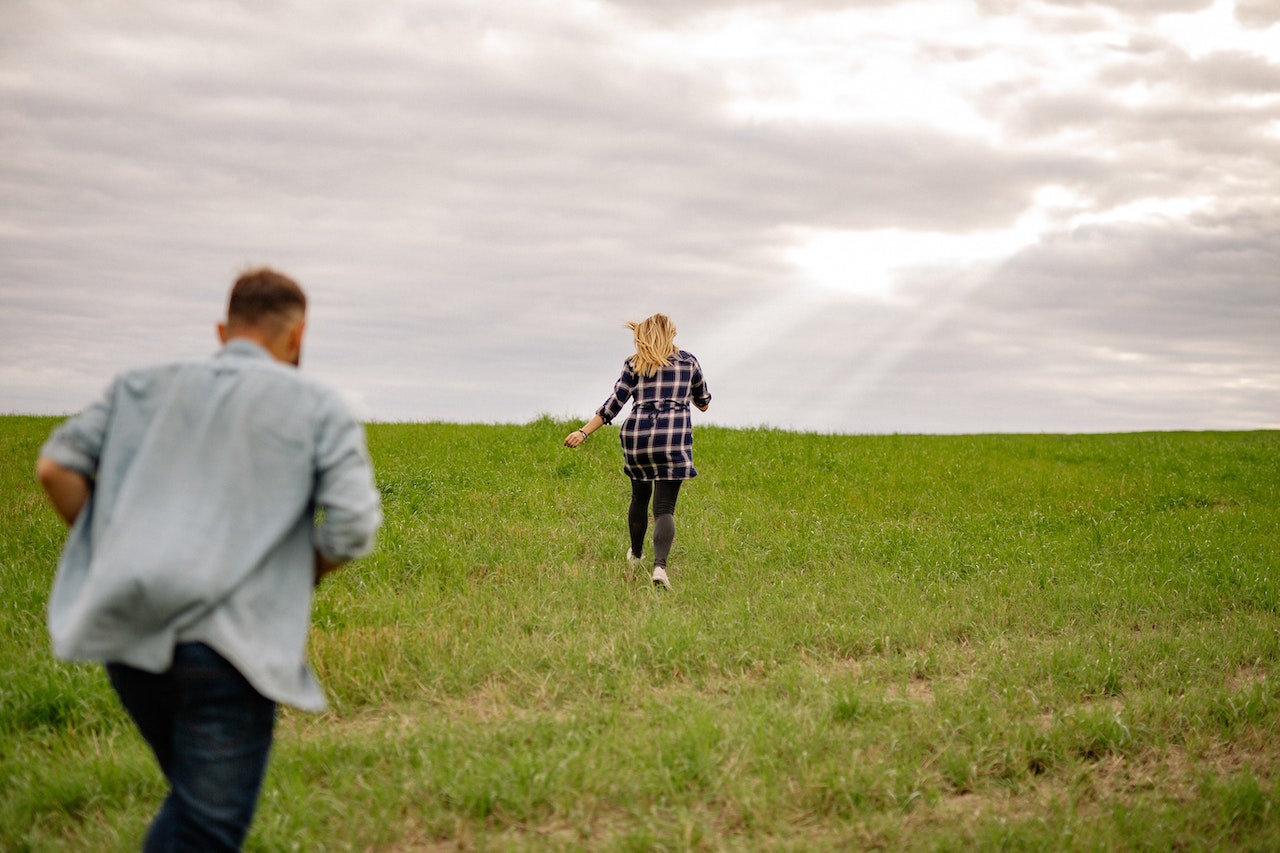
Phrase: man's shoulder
(323, 397)
(152, 376)
(285, 384)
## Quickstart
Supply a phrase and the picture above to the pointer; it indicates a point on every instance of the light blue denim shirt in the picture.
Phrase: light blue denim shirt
(212, 483)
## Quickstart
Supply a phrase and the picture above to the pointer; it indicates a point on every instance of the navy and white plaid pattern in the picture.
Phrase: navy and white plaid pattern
(657, 437)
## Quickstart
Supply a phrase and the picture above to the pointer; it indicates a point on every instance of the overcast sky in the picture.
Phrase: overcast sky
(865, 217)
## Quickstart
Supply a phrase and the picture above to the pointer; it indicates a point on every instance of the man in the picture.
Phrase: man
(192, 493)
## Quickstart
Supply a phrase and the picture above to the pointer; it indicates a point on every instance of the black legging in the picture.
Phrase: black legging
(664, 493)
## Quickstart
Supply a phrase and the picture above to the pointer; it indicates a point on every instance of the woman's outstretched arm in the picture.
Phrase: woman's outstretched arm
(578, 436)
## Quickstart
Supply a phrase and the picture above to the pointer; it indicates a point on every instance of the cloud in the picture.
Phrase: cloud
(1064, 201)
(1258, 14)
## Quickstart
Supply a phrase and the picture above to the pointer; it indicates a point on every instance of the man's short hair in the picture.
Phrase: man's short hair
(264, 294)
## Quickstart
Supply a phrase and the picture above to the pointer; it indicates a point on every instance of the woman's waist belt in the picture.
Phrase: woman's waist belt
(663, 406)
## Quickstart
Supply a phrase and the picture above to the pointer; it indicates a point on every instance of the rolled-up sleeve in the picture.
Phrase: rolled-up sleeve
(345, 490)
(76, 443)
(622, 391)
(698, 387)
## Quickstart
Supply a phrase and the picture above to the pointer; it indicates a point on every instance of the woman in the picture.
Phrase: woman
(657, 437)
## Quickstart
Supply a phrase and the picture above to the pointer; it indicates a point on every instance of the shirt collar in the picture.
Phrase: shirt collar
(245, 348)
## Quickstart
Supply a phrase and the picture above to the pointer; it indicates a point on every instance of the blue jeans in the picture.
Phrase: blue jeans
(211, 732)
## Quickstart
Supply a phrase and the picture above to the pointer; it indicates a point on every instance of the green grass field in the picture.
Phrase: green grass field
(874, 642)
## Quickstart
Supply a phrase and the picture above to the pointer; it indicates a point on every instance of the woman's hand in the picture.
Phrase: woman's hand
(579, 435)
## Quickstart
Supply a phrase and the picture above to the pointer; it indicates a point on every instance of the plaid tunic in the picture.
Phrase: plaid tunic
(657, 437)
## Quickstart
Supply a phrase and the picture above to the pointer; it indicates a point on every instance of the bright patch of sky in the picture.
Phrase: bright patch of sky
(1218, 28)
(868, 263)
(918, 62)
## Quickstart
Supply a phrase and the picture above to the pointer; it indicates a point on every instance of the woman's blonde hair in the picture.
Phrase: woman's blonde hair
(655, 344)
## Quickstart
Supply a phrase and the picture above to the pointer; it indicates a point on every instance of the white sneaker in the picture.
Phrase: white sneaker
(632, 559)
(660, 578)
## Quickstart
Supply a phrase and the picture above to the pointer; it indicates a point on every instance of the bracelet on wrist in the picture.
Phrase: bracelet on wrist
(584, 433)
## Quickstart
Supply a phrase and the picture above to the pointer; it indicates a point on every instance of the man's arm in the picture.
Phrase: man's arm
(68, 490)
(345, 492)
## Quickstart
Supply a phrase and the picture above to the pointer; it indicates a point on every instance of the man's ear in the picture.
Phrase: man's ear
(294, 342)
(222, 332)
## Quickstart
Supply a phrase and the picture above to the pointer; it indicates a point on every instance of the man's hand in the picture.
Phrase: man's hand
(68, 490)
(324, 566)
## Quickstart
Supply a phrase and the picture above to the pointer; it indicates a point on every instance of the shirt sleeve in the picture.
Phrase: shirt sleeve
(345, 489)
(698, 386)
(622, 391)
(77, 442)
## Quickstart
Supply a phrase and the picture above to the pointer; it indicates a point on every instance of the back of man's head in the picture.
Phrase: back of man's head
(263, 296)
